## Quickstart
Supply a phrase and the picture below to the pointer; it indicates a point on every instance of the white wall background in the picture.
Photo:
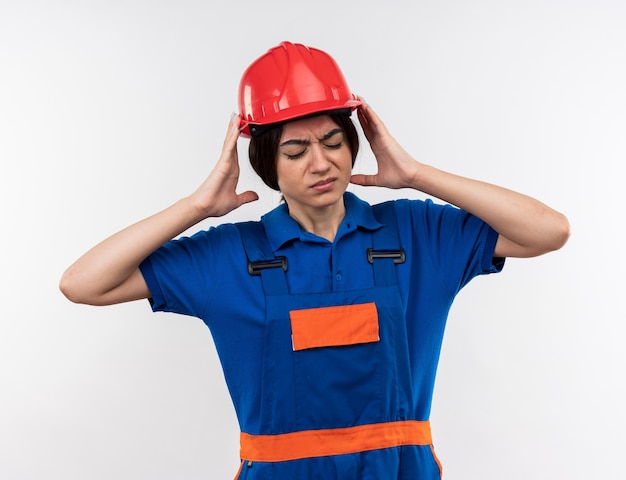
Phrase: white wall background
(112, 110)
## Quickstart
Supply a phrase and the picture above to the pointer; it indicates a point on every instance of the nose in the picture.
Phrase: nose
(319, 161)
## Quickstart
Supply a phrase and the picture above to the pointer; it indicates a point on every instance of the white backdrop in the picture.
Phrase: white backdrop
(112, 110)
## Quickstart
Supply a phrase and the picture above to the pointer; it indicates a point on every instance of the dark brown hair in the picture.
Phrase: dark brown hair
(264, 147)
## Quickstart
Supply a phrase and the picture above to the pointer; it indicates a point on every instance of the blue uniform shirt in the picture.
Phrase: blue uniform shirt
(206, 276)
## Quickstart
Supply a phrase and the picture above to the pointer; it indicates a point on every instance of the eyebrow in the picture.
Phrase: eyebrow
(297, 141)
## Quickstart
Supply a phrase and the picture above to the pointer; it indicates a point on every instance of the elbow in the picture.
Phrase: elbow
(559, 233)
(562, 232)
(72, 287)
(84, 287)
(551, 234)
(68, 287)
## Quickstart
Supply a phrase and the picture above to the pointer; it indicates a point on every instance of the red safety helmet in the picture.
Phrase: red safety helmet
(291, 81)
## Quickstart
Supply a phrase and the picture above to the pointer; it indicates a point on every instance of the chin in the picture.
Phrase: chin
(330, 199)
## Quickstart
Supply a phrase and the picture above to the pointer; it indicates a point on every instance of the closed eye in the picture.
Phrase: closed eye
(332, 135)
(295, 156)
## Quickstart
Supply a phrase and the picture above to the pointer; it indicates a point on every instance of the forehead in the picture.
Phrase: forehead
(308, 128)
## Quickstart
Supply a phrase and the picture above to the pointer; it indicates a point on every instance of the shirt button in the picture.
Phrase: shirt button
(338, 277)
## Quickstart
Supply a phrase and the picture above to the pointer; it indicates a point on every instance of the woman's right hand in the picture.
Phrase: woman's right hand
(217, 195)
(109, 272)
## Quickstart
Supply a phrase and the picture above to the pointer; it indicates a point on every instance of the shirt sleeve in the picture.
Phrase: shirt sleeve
(459, 245)
(180, 274)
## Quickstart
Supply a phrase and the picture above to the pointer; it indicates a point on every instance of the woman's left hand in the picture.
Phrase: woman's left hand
(396, 168)
(526, 227)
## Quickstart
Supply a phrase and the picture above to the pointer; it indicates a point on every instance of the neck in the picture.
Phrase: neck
(323, 222)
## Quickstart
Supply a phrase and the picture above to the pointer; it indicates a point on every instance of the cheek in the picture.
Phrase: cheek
(287, 174)
(346, 161)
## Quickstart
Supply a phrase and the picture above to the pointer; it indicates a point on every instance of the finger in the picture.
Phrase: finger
(364, 180)
(232, 134)
(362, 118)
(373, 126)
(362, 109)
(233, 124)
(373, 120)
(247, 197)
(364, 124)
(229, 148)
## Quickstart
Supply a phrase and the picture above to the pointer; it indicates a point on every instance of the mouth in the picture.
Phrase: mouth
(324, 185)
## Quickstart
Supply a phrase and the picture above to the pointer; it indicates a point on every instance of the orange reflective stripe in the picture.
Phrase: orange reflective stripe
(334, 326)
(432, 450)
(239, 471)
(334, 441)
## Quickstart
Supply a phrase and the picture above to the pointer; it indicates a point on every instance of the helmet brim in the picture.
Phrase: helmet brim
(253, 129)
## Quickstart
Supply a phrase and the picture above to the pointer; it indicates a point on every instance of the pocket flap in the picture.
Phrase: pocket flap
(334, 326)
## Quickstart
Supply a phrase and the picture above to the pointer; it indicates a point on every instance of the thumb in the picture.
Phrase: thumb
(247, 197)
(364, 180)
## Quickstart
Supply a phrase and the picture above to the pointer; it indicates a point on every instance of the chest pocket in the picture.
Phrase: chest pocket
(334, 326)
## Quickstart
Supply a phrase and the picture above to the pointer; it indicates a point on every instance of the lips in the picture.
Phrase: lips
(325, 184)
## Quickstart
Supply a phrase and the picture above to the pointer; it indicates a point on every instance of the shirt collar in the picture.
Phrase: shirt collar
(280, 228)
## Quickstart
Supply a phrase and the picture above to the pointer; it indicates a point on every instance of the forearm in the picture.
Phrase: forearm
(103, 274)
(528, 226)
(109, 272)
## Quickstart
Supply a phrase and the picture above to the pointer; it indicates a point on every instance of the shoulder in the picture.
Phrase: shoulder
(430, 212)
(207, 244)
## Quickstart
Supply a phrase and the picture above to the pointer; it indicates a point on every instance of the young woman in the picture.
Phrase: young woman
(328, 314)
